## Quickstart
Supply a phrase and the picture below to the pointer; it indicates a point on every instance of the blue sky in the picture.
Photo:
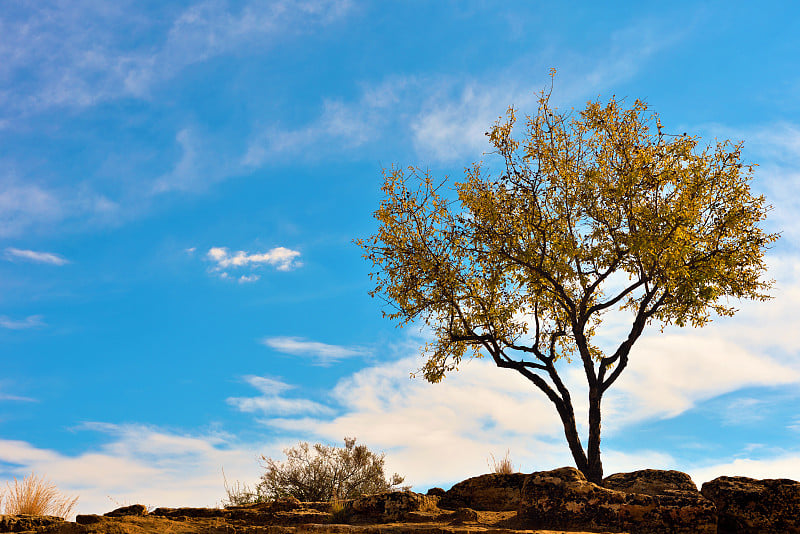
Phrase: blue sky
(181, 182)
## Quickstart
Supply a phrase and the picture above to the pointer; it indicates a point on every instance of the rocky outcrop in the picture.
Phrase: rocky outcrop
(748, 505)
(650, 482)
(27, 523)
(494, 492)
(134, 509)
(388, 506)
(641, 502)
(564, 499)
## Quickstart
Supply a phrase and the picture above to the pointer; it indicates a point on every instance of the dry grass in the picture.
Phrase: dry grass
(339, 511)
(36, 496)
(239, 494)
(503, 467)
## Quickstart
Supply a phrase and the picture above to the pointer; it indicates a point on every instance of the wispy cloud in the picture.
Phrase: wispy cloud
(321, 353)
(272, 402)
(10, 397)
(34, 256)
(32, 321)
(445, 118)
(27, 207)
(77, 55)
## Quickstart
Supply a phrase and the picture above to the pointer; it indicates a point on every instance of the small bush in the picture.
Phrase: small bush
(322, 473)
(36, 496)
(503, 467)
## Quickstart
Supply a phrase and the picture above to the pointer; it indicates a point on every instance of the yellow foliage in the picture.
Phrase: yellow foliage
(521, 261)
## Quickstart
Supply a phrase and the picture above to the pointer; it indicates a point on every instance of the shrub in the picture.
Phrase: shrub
(36, 496)
(322, 473)
(240, 493)
(503, 467)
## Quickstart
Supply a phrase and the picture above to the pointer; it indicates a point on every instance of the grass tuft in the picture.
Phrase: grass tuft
(36, 496)
(503, 467)
(240, 494)
(339, 512)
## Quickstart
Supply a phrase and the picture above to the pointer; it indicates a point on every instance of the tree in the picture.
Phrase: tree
(590, 212)
(323, 473)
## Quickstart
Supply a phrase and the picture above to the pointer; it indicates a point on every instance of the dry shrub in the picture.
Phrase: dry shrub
(503, 467)
(321, 473)
(36, 496)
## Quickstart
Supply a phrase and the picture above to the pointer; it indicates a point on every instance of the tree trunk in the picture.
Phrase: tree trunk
(571, 433)
(594, 470)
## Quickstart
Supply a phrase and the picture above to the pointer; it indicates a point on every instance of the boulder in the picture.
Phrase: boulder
(24, 522)
(435, 492)
(564, 499)
(748, 505)
(387, 506)
(493, 492)
(134, 509)
(463, 515)
(650, 482)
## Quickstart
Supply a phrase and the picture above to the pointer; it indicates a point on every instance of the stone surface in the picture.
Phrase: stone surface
(650, 482)
(23, 522)
(564, 499)
(134, 509)
(304, 520)
(748, 505)
(437, 492)
(548, 502)
(389, 506)
(494, 492)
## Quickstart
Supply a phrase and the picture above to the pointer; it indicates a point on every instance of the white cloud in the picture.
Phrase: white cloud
(669, 374)
(282, 258)
(34, 256)
(271, 401)
(441, 433)
(322, 353)
(783, 465)
(32, 321)
(149, 466)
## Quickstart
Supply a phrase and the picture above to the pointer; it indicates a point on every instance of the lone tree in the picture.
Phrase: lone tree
(590, 212)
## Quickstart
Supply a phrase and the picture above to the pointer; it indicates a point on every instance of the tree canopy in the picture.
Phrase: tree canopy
(588, 212)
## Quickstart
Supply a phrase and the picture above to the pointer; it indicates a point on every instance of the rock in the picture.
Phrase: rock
(650, 482)
(390, 505)
(88, 519)
(302, 517)
(748, 505)
(435, 492)
(464, 515)
(24, 522)
(134, 509)
(174, 513)
(492, 492)
(564, 499)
